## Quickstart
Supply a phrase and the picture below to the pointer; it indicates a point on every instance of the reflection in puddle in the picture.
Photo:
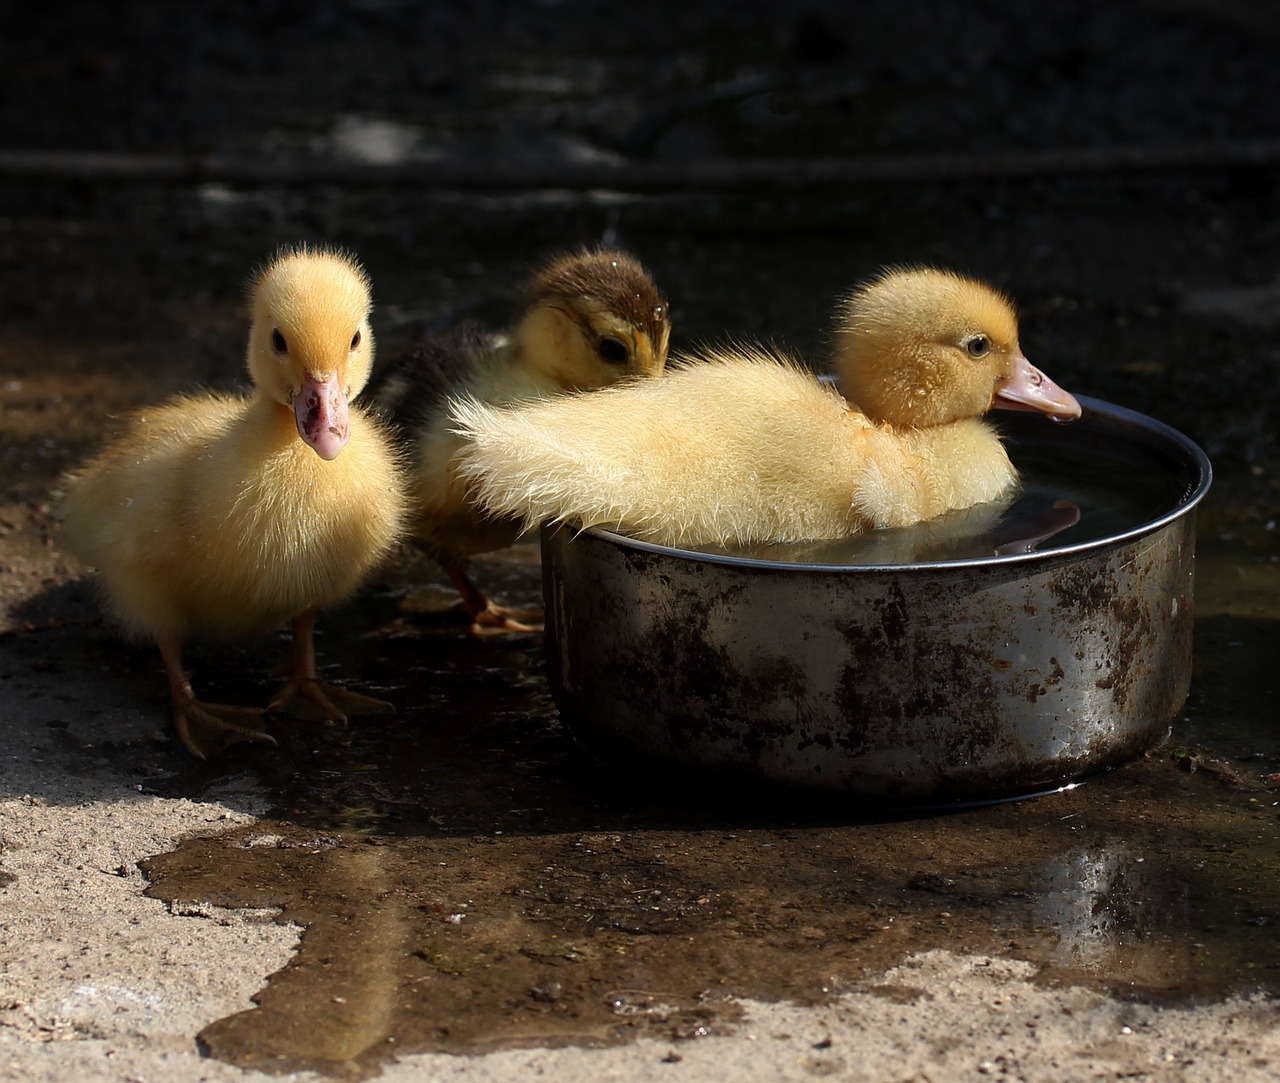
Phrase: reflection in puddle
(469, 878)
(1087, 901)
(1114, 913)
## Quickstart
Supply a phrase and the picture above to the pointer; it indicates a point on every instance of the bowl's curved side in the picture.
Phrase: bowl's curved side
(973, 683)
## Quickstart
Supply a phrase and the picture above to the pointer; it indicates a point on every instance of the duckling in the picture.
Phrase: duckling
(226, 515)
(590, 319)
(746, 446)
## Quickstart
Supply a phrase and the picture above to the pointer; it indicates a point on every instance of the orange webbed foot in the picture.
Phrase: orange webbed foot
(205, 729)
(311, 699)
(306, 696)
(495, 619)
(484, 616)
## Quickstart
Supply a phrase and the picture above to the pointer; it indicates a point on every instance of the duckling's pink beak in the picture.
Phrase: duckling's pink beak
(1030, 389)
(323, 419)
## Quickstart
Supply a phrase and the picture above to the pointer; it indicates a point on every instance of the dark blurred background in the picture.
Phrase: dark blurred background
(451, 145)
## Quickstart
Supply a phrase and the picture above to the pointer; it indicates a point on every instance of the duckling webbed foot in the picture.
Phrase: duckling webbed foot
(306, 696)
(493, 619)
(485, 617)
(310, 698)
(227, 724)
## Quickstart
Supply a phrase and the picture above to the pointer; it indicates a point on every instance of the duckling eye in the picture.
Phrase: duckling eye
(355, 340)
(277, 341)
(612, 350)
(978, 346)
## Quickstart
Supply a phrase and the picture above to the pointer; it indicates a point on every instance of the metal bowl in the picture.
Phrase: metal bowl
(922, 683)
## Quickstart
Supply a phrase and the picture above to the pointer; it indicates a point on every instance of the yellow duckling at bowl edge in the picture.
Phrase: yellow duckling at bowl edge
(226, 515)
(745, 446)
(590, 319)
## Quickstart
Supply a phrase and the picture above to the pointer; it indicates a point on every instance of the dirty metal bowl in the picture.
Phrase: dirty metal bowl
(920, 683)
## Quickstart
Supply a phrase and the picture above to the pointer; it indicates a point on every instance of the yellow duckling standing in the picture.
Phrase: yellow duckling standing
(590, 319)
(226, 515)
(744, 447)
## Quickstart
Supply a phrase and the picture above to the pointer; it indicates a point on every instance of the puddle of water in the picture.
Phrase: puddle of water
(469, 878)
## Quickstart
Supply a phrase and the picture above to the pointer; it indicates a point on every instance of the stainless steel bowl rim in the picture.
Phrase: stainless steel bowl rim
(1092, 407)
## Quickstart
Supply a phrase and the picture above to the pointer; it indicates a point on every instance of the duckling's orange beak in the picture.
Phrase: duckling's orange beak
(1030, 389)
(323, 419)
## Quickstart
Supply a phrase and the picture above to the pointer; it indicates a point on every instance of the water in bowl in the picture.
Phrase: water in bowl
(1073, 492)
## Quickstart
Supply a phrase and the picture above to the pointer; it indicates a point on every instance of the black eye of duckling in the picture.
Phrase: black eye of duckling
(978, 346)
(355, 340)
(613, 350)
(277, 340)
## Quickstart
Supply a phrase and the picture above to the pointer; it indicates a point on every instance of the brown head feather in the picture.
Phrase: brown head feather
(617, 280)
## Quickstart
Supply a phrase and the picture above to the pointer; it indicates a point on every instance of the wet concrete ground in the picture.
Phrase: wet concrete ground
(468, 875)
(470, 878)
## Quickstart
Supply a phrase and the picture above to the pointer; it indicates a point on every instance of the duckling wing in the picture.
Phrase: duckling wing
(728, 450)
